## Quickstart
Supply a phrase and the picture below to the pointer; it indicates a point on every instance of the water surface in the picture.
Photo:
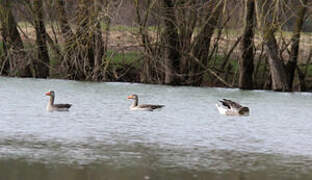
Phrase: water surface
(99, 138)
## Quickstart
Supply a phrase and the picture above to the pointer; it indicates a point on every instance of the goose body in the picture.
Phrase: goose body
(143, 107)
(56, 107)
(232, 108)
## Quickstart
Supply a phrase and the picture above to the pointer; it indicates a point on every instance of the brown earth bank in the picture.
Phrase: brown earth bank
(246, 43)
(126, 56)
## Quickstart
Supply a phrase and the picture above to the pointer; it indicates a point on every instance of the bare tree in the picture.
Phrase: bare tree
(149, 51)
(66, 30)
(68, 36)
(15, 62)
(295, 40)
(247, 60)
(203, 40)
(98, 45)
(177, 42)
(269, 24)
(43, 59)
(172, 37)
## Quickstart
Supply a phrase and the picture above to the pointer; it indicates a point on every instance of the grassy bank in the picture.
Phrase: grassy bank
(124, 59)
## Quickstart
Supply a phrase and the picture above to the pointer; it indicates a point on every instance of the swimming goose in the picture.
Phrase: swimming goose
(145, 107)
(232, 108)
(56, 107)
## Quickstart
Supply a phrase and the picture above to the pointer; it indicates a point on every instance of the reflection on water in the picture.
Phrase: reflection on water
(99, 138)
(258, 167)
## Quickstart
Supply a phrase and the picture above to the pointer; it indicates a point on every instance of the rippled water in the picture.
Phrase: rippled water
(99, 138)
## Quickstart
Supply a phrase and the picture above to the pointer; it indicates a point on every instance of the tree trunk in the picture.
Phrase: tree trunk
(42, 63)
(98, 43)
(202, 42)
(277, 68)
(147, 74)
(188, 16)
(172, 37)
(5, 66)
(108, 21)
(246, 66)
(66, 30)
(84, 41)
(69, 38)
(16, 63)
(269, 18)
(295, 40)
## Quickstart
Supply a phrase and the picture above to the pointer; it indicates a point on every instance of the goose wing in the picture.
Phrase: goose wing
(151, 106)
(61, 106)
(225, 103)
(230, 104)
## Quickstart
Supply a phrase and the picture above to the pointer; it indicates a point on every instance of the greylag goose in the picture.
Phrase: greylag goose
(232, 108)
(56, 107)
(145, 107)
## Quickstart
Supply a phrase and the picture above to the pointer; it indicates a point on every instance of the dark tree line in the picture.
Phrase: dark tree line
(239, 43)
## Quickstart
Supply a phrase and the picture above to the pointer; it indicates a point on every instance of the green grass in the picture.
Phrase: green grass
(124, 28)
(124, 58)
(119, 27)
(309, 71)
(129, 58)
(217, 61)
(1, 49)
(119, 60)
(1, 46)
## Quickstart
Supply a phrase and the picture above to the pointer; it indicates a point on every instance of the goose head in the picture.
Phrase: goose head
(243, 111)
(50, 93)
(133, 96)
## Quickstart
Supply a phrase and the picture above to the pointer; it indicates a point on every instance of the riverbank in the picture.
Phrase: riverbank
(125, 59)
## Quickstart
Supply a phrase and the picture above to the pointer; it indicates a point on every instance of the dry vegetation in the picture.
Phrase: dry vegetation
(170, 42)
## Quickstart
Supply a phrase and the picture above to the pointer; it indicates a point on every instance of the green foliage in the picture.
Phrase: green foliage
(124, 28)
(1, 51)
(125, 58)
(309, 72)
(1, 47)
(308, 67)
